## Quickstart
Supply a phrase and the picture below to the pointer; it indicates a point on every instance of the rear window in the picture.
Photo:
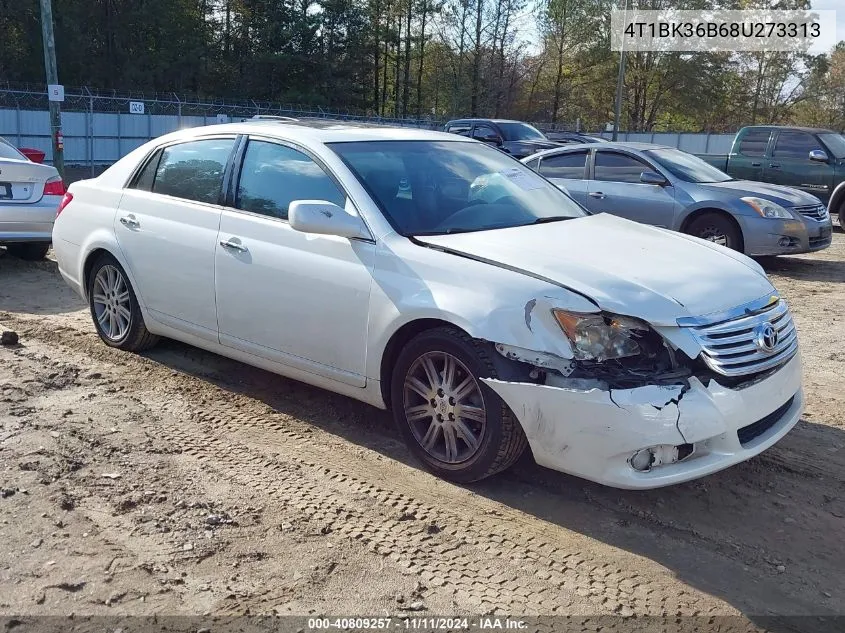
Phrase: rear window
(754, 143)
(193, 170)
(7, 150)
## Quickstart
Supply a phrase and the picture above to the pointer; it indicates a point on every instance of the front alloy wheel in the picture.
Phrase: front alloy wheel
(454, 423)
(444, 407)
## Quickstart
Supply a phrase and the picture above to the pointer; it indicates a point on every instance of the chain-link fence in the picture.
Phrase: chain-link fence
(100, 127)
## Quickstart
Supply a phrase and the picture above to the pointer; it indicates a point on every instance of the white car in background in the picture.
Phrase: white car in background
(438, 277)
(30, 193)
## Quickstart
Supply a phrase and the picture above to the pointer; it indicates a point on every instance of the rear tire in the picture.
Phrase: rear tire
(29, 251)
(114, 307)
(455, 424)
(717, 228)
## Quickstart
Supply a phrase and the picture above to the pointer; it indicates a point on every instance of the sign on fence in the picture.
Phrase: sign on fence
(136, 107)
(56, 92)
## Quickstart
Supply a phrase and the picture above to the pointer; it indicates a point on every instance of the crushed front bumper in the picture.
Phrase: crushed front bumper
(594, 433)
(764, 236)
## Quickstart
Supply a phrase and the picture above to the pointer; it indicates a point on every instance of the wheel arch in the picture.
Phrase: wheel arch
(697, 213)
(837, 201)
(506, 368)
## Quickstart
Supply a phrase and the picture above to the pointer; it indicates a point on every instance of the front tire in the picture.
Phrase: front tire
(718, 228)
(29, 251)
(454, 423)
(114, 307)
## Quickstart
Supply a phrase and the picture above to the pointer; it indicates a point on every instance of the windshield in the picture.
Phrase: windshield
(439, 187)
(835, 143)
(687, 167)
(7, 150)
(520, 132)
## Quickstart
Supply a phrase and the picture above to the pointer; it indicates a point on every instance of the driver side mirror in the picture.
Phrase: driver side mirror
(653, 178)
(818, 155)
(325, 218)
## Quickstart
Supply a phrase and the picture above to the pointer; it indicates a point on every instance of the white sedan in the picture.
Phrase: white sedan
(438, 277)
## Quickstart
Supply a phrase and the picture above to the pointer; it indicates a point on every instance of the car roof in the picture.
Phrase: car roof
(604, 146)
(485, 121)
(321, 130)
(811, 130)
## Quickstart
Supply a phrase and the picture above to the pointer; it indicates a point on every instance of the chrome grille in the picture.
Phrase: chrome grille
(814, 211)
(732, 346)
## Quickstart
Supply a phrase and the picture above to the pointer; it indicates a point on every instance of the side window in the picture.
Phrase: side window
(144, 179)
(795, 145)
(193, 170)
(754, 143)
(569, 165)
(485, 133)
(460, 128)
(273, 176)
(618, 167)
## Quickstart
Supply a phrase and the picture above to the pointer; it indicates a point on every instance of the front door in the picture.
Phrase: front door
(616, 189)
(790, 164)
(295, 298)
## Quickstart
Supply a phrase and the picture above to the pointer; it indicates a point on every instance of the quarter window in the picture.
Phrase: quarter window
(754, 143)
(795, 145)
(460, 128)
(193, 170)
(569, 165)
(275, 175)
(619, 167)
(145, 178)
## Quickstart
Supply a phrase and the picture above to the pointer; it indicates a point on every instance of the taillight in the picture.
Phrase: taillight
(66, 199)
(54, 187)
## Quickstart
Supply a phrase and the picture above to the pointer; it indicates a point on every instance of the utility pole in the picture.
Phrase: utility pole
(52, 79)
(620, 80)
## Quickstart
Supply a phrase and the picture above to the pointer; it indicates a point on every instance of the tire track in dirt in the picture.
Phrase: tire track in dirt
(537, 573)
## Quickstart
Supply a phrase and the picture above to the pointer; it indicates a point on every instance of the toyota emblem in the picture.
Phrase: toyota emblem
(766, 337)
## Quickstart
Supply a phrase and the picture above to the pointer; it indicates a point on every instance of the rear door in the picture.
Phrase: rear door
(167, 229)
(747, 162)
(567, 170)
(790, 164)
(616, 189)
(295, 298)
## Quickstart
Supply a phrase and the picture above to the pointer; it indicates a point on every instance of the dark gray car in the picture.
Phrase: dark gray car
(513, 137)
(666, 187)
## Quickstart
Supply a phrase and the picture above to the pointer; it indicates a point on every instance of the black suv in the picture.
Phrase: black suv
(514, 137)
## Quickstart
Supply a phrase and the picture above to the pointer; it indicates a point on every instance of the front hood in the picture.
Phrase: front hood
(623, 266)
(784, 196)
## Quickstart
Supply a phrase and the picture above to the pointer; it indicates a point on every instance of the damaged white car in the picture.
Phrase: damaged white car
(438, 277)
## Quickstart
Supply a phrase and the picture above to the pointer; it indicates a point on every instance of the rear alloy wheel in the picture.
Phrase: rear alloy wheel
(717, 228)
(29, 251)
(454, 423)
(114, 307)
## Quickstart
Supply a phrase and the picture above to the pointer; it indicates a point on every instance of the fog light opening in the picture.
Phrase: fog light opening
(784, 241)
(642, 460)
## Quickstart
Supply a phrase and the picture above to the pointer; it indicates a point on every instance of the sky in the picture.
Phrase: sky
(839, 6)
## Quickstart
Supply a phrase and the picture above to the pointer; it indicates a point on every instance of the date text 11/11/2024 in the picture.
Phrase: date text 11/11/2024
(429, 623)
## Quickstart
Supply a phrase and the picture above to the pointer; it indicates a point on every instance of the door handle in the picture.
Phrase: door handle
(755, 164)
(596, 194)
(235, 246)
(774, 166)
(130, 222)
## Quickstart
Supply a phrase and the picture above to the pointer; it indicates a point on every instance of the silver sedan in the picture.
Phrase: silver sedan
(666, 187)
(30, 193)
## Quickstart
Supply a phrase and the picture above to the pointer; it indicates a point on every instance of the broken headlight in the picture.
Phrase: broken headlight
(601, 336)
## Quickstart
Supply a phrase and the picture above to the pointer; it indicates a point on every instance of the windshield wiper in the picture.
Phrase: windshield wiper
(551, 218)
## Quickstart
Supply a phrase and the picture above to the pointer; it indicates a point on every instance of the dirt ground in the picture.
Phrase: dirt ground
(180, 482)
